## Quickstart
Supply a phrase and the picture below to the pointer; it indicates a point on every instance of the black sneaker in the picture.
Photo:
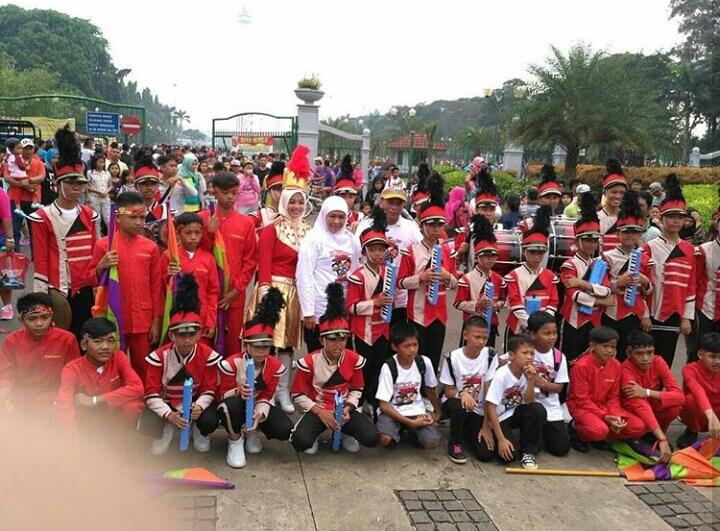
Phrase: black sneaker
(575, 442)
(686, 439)
(456, 453)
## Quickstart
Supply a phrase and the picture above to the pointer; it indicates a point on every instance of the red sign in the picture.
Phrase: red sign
(253, 140)
(130, 125)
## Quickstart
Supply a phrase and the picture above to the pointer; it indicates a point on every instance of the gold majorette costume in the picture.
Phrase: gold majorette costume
(278, 254)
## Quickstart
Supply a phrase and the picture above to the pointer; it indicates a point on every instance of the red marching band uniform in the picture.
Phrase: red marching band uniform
(608, 222)
(707, 301)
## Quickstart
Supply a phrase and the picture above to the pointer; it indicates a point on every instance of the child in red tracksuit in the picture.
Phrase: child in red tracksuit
(366, 297)
(238, 233)
(650, 390)
(201, 264)
(101, 387)
(470, 297)
(701, 384)
(138, 263)
(580, 293)
(594, 395)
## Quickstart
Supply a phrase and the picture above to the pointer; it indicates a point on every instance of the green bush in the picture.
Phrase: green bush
(506, 183)
(703, 198)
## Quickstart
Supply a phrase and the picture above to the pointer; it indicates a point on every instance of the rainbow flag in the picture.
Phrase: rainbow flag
(697, 465)
(197, 477)
(108, 301)
(220, 254)
(174, 253)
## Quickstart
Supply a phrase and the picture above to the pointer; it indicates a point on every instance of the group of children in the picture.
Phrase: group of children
(372, 373)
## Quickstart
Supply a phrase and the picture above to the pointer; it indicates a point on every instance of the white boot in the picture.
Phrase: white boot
(253, 443)
(314, 448)
(282, 395)
(161, 445)
(200, 442)
(236, 453)
(350, 444)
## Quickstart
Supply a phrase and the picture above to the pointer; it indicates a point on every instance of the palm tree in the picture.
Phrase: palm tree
(180, 116)
(430, 132)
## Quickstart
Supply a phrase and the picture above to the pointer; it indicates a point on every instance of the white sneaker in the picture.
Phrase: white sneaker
(350, 444)
(282, 399)
(236, 453)
(161, 445)
(282, 394)
(313, 449)
(200, 442)
(528, 461)
(253, 444)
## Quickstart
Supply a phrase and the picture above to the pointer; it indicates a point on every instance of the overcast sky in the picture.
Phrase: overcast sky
(369, 54)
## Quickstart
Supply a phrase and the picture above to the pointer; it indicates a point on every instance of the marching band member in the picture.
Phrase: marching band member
(707, 303)
(614, 186)
(273, 184)
(346, 187)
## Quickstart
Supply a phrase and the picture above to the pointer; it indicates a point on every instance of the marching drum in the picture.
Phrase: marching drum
(561, 246)
(510, 253)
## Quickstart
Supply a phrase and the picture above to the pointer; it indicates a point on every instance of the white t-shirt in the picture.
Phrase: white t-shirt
(468, 374)
(404, 395)
(545, 366)
(506, 391)
(495, 364)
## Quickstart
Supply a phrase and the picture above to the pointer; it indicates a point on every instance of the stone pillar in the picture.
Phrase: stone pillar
(308, 132)
(695, 157)
(365, 155)
(558, 155)
(513, 158)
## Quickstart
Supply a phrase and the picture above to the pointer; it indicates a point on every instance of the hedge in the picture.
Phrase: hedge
(593, 175)
(507, 183)
(703, 198)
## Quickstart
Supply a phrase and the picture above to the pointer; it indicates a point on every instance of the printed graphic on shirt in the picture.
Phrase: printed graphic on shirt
(393, 249)
(512, 397)
(545, 371)
(405, 393)
(472, 383)
(341, 264)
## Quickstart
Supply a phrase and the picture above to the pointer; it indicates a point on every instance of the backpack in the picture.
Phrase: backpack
(419, 361)
(491, 355)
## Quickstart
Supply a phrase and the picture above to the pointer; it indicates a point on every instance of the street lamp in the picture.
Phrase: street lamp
(394, 113)
(490, 93)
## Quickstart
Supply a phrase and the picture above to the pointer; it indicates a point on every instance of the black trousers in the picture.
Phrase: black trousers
(530, 419)
(492, 336)
(231, 414)
(555, 438)
(375, 356)
(701, 326)
(81, 307)
(623, 327)
(151, 425)
(464, 425)
(666, 333)
(574, 341)
(399, 315)
(309, 428)
(312, 339)
(431, 339)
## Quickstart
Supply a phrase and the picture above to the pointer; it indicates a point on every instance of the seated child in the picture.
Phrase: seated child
(463, 374)
(167, 369)
(323, 374)
(701, 385)
(234, 391)
(510, 404)
(402, 380)
(552, 370)
(650, 390)
(594, 395)
(32, 358)
(100, 389)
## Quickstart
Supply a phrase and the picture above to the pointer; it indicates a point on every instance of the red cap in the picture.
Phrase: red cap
(587, 229)
(258, 334)
(275, 180)
(432, 213)
(72, 172)
(630, 222)
(146, 173)
(337, 326)
(373, 236)
(185, 322)
(673, 206)
(485, 247)
(549, 187)
(614, 179)
(535, 241)
(486, 199)
(345, 186)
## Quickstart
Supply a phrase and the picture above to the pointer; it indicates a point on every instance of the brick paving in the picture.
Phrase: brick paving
(444, 510)
(680, 506)
(193, 513)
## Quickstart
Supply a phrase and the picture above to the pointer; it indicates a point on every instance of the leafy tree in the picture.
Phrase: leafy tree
(431, 133)
(584, 99)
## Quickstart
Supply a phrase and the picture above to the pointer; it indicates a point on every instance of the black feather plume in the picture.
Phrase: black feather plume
(276, 168)
(346, 168)
(630, 205)
(143, 159)
(379, 220)
(423, 173)
(673, 190)
(335, 302)
(588, 208)
(613, 166)
(485, 183)
(436, 189)
(541, 223)
(268, 312)
(186, 295)
(482, 229)
(547, 174)
(68, 148)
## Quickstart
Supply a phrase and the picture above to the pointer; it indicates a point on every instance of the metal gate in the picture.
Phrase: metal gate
(255, 129)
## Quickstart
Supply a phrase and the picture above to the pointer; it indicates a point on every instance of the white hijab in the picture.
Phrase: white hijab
(284, 200)
(343, 239)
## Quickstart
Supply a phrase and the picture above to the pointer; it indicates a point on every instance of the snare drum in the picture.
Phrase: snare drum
(509, 251)
(562, 242)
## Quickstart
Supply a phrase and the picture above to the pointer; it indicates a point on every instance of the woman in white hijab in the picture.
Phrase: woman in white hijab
(328, 254)
(279, 244)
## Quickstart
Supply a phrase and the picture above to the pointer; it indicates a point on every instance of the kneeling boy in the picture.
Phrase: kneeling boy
(650, 390)
(701, 384)
(101, 389)
(402, 380)
(594, 396)
(463, 373)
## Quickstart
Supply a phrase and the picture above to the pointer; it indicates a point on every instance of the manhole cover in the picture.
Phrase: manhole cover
(681, 507)
(444, 510)
(193, 513)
